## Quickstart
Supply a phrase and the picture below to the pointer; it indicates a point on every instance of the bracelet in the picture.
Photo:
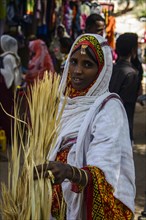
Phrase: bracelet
(80, 174)
(86, 176)
(73, 172)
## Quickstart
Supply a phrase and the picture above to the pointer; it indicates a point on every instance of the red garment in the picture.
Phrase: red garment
(40, 61)
(99, 199)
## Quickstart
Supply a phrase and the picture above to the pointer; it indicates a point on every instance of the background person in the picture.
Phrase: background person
(39, 61)
(95, 24)
(65, 46)
(125, 79)
(137, 63)
(10, 78)
(92, 161)
(54, 47)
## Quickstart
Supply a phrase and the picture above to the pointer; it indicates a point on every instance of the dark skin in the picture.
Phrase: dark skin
(60, 31)
(59, 170)
(97, 28)
(83, 71)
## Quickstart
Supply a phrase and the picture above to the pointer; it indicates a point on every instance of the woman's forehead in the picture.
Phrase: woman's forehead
(86, 52)
(95, 52)
(92, 42)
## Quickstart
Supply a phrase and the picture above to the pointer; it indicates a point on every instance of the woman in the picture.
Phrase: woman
(10, 78)
(54, 48)
(65, 46)
(11, 70)
(40, 61)
(92, 163)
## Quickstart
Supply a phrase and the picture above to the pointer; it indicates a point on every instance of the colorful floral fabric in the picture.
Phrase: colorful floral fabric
(101, 203)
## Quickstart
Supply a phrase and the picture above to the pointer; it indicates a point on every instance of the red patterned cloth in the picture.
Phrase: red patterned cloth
(73, 92)
(100, 201)
(57, 191)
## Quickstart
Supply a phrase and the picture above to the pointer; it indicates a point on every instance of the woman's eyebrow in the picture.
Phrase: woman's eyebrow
(73, 58)
(88, 60)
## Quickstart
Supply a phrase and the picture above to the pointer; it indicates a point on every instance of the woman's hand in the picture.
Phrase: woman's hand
(59, 170)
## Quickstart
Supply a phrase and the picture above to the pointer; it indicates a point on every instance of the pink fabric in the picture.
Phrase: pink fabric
(40, 61)
(83, 21)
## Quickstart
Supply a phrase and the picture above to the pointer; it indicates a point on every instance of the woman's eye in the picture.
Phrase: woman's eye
(88, 64)
(73, 61)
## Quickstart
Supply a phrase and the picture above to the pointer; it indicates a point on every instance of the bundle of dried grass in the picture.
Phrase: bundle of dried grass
(33, 139)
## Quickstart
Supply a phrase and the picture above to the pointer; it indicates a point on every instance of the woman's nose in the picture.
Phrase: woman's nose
(78, 69)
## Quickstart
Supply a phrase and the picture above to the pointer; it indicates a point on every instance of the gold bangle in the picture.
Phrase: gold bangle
(73, 172)
(80, 175)
(86, 176)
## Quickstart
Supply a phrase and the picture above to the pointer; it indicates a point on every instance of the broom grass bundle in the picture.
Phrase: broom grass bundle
(26, 198)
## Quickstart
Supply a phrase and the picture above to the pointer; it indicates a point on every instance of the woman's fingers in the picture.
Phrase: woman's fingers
(54, 170)
(39, 171)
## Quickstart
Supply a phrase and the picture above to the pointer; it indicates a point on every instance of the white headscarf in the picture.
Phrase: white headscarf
(11, 71)
(102, 83)
(9, 44)
(77, 108)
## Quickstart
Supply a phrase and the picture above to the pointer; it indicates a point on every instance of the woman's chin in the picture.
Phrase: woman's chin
(77, 87)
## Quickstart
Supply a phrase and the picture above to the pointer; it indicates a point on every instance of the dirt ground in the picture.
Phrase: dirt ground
(139, 150)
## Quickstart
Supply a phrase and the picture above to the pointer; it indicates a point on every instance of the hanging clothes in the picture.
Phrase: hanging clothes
(68, 16)
(110, 30)
(30, 6)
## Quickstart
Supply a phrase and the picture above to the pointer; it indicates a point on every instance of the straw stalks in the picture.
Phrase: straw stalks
(25, 198)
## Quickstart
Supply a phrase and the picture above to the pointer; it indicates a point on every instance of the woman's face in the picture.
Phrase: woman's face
(83, 70)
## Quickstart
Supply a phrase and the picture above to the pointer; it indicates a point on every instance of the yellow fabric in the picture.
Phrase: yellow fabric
(3, 9)
(104, 205)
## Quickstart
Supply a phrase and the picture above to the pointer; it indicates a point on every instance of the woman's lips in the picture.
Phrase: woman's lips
(77, 80)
